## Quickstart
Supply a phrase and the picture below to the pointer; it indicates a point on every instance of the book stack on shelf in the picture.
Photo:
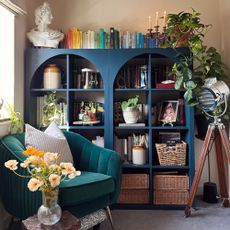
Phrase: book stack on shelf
(132, 76)
(114, 39)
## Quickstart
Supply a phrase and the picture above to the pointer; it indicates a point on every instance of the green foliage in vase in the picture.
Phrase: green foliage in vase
(51, 110)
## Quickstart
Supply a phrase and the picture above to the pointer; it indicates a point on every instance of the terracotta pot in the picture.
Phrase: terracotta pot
(52, 77)
(92, 116)
(183, 40)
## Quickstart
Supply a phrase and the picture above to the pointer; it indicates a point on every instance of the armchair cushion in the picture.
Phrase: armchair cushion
(84, 188)
(52, 140)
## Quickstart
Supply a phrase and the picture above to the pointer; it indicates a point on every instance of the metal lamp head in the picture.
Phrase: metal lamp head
(213, 95)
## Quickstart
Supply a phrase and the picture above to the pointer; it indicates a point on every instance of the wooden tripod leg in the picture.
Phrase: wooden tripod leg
(221, 169)
(199, 170)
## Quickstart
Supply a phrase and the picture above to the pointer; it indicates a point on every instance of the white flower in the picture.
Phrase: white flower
(33, 160)
(11, 164)
(34, 184)
(67, 168)
(74, 174)
(54, 180)
(24, 164)
(50, 158)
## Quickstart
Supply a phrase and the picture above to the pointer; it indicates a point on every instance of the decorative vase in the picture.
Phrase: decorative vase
(131, 115)
(50, 212)
(52, 77)
(138, 155)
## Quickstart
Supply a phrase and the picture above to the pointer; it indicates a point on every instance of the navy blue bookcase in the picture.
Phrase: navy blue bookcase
(108, 63)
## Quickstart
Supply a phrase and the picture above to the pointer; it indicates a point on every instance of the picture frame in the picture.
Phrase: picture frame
(168, 112)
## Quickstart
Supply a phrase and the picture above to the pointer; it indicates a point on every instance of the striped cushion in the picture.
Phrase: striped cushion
(52, 140)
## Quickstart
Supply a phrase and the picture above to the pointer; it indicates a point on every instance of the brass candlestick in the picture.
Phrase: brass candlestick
(156, 36)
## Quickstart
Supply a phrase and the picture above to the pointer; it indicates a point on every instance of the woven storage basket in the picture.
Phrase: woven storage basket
(134, 196)
(170, 196)
(171, 155)
(178, 182)
(135, 181)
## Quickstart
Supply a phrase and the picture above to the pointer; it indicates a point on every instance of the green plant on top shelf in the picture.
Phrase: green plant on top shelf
(206, 60)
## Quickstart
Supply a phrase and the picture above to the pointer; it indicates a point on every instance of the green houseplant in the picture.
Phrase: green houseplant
(130, 110)
(206, 60)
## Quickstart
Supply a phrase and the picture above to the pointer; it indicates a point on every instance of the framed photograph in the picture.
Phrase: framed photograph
(168, 112)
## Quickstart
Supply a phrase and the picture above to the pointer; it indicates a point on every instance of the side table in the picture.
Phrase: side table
(68, 221)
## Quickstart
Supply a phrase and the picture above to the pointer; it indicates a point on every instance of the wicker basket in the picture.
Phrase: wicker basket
(171, 155)
(135, 181)
(134, 196)
(177, 182)
(168, 196)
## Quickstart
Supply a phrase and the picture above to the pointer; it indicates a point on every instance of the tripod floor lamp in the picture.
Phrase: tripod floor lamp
(210, 98)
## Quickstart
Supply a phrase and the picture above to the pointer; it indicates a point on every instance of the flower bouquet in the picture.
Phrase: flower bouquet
(46, 173)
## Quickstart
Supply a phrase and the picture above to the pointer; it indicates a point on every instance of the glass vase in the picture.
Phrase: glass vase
(50, 212)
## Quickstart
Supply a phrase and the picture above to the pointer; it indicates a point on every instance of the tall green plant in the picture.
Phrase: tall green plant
(206, 60)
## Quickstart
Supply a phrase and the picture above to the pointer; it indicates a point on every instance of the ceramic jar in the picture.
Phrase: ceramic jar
(138, 155)
(52, 77)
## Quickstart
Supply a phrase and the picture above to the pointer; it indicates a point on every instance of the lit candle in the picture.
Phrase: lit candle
(150, 22)
(157, 18)
(164, 19)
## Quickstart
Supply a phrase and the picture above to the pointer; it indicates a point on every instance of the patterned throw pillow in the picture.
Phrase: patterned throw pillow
(51, 140)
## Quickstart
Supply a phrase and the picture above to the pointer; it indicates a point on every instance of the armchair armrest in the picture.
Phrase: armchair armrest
(92, 158)
(16, 197)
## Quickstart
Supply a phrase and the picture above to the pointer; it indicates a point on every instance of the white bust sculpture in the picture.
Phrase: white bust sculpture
(42, 35)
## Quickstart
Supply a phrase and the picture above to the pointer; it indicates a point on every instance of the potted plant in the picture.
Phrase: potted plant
(206, 60)
(130, 110)
(90, 111)
(138, 150)
(185, 29)
(10, 121)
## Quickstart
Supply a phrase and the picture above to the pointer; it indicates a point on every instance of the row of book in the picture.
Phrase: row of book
(124, 146)
(114, 39)
(132, 76)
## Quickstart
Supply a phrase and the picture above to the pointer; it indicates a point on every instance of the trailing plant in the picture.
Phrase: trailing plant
(206, 60)
(131, 102)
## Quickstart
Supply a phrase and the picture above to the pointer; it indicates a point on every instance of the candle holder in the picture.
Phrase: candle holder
(156, 36)
(150, 38)
(162, 36)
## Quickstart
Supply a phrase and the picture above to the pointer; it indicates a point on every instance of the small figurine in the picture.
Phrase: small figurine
(42, 35)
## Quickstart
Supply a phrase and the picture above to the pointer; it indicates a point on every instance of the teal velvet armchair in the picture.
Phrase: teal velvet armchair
(97, 187)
